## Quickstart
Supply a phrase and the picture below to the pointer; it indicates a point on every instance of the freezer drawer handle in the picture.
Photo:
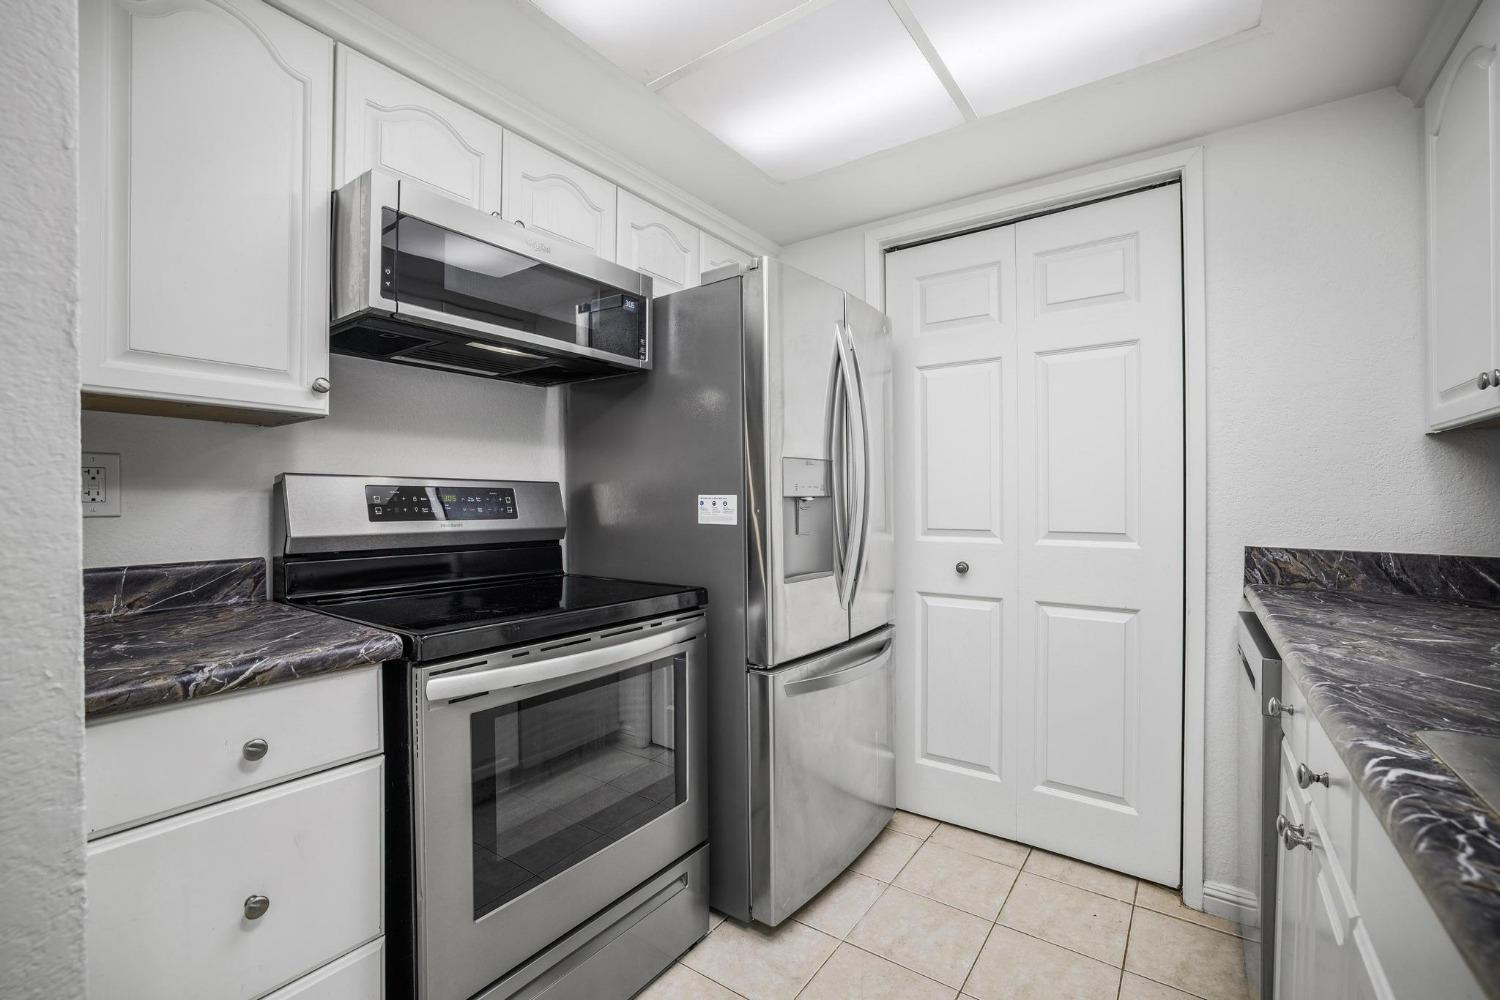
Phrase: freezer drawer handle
(520, 674)
(838, 678)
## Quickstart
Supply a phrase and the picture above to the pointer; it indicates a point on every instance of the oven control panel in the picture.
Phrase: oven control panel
(439, 503)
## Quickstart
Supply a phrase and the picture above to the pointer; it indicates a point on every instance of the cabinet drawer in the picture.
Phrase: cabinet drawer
(144, 766)
(1294, 724)
(167, 902)
(359, 975)
(1335, 800)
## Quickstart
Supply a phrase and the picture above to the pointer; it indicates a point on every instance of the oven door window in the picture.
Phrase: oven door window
(560, 777)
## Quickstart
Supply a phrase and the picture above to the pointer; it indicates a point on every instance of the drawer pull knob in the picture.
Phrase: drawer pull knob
(256, 906)
(1306, 778)
(961, 568)
(255, 750)
(1293, 835)
(1275, 707)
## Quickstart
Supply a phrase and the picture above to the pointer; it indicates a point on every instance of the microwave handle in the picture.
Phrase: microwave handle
(513, 675)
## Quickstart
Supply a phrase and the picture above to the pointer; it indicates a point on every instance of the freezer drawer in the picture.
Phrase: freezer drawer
(822, 769)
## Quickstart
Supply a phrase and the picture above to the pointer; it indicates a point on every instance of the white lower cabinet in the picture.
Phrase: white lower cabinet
(237, 899)
(359, 975)
(1351, 921)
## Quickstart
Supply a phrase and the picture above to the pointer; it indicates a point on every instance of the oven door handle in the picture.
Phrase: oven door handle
(613, 657)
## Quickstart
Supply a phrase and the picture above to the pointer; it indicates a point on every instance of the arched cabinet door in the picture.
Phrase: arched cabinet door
(714, 253)
(1463, 335)
(389, 121)
(658, 243)
(205, 156)
(558, 198)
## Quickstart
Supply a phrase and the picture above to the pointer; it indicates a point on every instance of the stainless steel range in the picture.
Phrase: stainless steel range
(547, 817)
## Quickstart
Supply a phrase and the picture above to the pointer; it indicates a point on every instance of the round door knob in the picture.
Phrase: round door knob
(961, 568)
(1495, 377)
(255, 749)
(256, 906)
(1274, 707)
(1306, 777)
(321, 384)
(1484, 380)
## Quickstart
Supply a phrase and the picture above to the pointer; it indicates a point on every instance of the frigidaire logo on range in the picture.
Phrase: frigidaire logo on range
(539, 246)
(451, 524)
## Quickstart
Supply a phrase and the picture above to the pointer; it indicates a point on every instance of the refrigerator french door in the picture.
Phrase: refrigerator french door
(771, 390)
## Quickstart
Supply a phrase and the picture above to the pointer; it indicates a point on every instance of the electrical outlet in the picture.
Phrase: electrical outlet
(101, 484)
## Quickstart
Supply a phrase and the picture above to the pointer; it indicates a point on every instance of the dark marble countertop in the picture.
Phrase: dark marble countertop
(158, 635)
(1376, 668)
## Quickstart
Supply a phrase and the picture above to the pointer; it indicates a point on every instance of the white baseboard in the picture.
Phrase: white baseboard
(1231, 902)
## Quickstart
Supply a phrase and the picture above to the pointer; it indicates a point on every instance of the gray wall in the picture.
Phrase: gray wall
(41, 684)
(195, 489)
(1314, 240)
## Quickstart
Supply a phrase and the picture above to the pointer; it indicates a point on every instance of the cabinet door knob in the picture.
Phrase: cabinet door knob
(1274, 707)
(961, 568)
(1293, 835)
(256, 906)
(321, 384)
(1306, 778)
(255, 749)
(1495, 377)
(1484, 380)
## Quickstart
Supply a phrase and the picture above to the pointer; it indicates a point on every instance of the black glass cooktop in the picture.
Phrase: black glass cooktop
(456, 620)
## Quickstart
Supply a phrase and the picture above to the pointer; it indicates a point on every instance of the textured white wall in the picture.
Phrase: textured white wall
(1314, 230)
(41, 684)
(195, 489)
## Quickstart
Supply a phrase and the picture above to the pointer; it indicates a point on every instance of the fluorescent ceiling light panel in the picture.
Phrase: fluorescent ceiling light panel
(838, 83)
(651, 38)
(1006, 53)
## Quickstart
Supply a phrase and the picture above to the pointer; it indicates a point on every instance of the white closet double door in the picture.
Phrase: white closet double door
(1039, 446)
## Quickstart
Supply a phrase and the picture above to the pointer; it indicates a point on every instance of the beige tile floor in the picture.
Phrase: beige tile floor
(935, 912)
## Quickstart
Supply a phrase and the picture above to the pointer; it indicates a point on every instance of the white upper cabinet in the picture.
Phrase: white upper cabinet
(714, 253)
(386, 120)
(206, 137)
(658, 243)
(558, 198)
(1463, 339)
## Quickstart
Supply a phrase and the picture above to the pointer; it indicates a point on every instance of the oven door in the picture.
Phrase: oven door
(549, 782)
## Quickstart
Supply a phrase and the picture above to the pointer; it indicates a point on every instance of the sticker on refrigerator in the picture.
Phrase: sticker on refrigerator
(715, 508)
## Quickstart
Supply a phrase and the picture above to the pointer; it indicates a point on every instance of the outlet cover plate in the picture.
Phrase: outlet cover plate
(101, 484)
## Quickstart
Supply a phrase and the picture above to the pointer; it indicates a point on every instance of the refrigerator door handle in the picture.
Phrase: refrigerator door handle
(847, 541)
(861, 536)
(837, 456)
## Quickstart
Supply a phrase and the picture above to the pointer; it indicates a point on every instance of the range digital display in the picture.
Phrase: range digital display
(440, 503)
(469, 503)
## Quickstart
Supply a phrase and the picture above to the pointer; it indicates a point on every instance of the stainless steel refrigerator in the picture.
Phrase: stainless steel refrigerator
(754, 460)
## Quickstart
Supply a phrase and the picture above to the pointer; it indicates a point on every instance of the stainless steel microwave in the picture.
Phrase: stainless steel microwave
(421, 279)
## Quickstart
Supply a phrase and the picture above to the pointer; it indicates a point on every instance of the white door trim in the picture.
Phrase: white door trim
(1185, 165)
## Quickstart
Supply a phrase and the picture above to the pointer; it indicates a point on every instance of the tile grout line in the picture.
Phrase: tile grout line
(1125, 955)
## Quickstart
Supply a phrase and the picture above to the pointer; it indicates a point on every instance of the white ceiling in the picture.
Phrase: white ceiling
(1303, 52)
(837, 80)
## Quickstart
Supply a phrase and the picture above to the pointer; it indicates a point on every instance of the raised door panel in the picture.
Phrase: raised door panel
(1461, 231)
(206, 136)
(1088, 705)
(394, 123)
(558, 198)
(657, 242)
(961, 481)
(714, 253)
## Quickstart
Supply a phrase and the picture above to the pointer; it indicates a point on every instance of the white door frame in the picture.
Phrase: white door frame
(1184, 165)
